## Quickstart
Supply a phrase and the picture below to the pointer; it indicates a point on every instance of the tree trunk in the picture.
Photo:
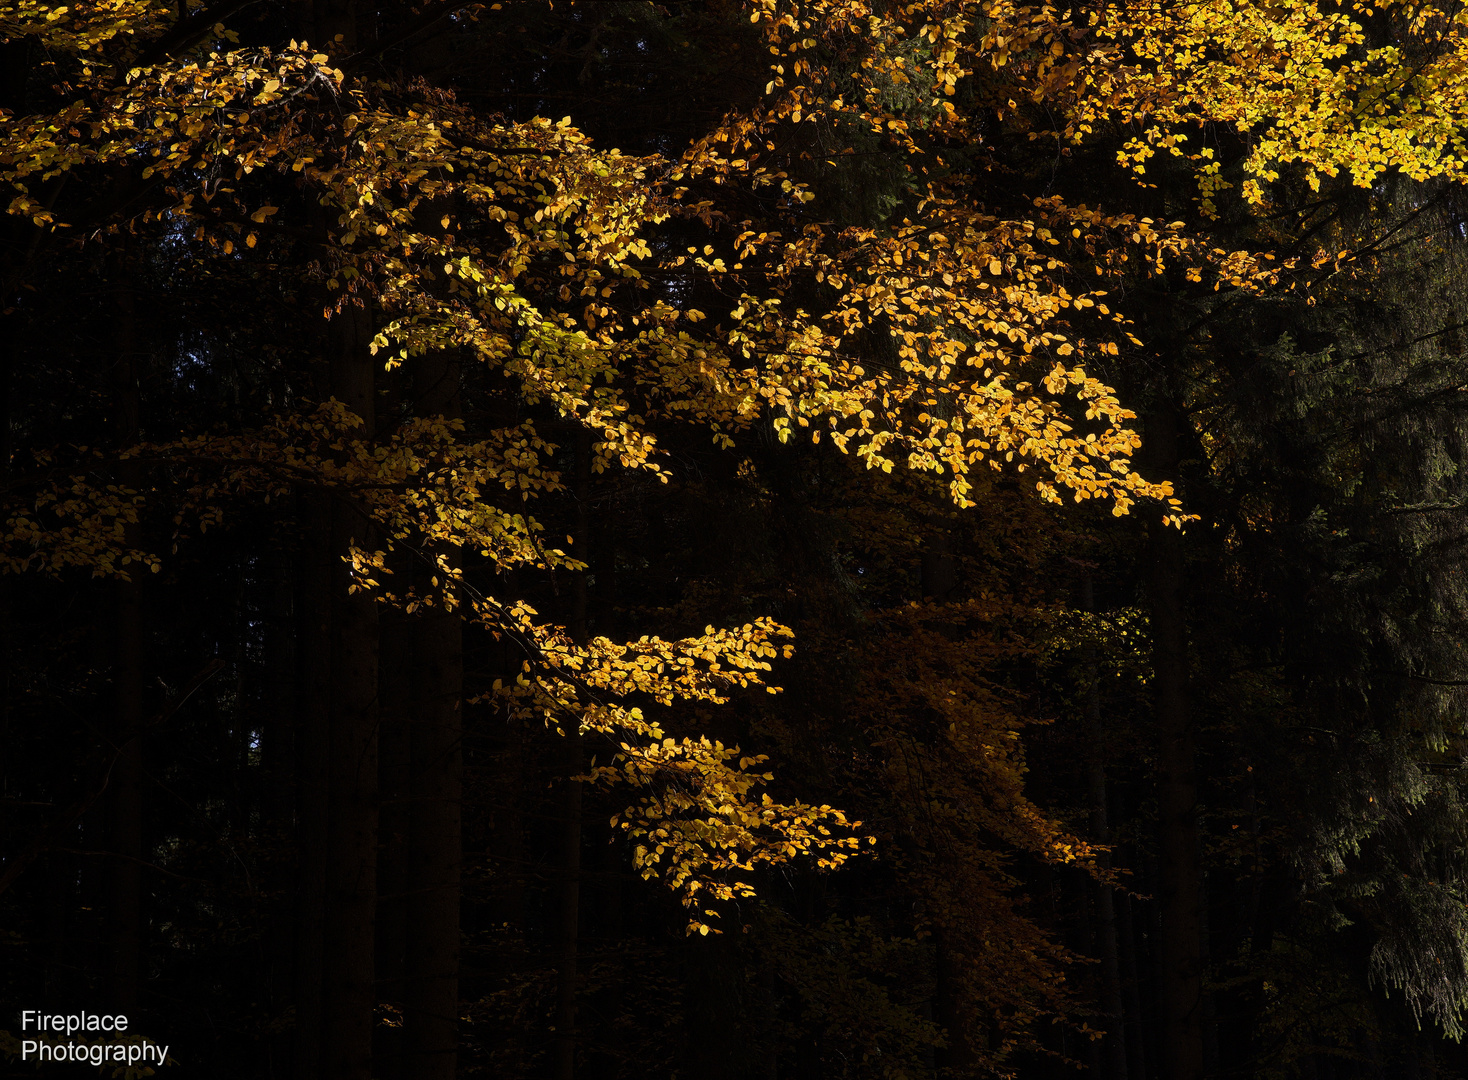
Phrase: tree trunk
(1210, 1011)
(507, 827)
(1106, 939)
(277, 748)
(395, 682)
(568, 927)
(349, 996)
(568, 931)
(15, 70)
(1132, 990)
(277, 694)
(1179, 871)
(431, 1001)
(312, 727)
(7, 360)
(958, 1057)
(938, 578)
(125, 783)
(336, 727)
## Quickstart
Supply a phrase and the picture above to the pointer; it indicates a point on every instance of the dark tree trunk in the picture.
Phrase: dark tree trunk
(277, 750)
(435, 850)
(568, 926)
(507, 827)
(1205, 958)
(349, 996)
(1132, 989)
(948, 1008)
(277, 692)
(938, 579)
(568, 930)
(336, 726)
(7, 360)
(431, 999)
(125, 783)
(395, 681)
(1106, 936)
(15, 70)
(1179, 964)
(314, 579)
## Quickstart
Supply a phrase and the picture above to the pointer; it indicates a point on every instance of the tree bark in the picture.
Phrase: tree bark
(1179, 872)
(395, 682)
(125, 784)
(938, 578)
(15, 70)
(277, 748)
(1132, 990)
(568, 930)
(349, 996)
(312, 746)
(435, 869)
(1106, 937)
(431, 1000)
(277, 694)
(1205, 958)
(336, 728)
(957, 1057)
(568, 926)
(7, 360)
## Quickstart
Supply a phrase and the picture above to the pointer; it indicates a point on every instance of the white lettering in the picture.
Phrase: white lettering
(96, 1053)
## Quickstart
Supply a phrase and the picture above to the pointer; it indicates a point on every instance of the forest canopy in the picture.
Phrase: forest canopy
(736, 539)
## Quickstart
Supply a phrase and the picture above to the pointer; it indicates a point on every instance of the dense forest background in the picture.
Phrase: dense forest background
(413, 505)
